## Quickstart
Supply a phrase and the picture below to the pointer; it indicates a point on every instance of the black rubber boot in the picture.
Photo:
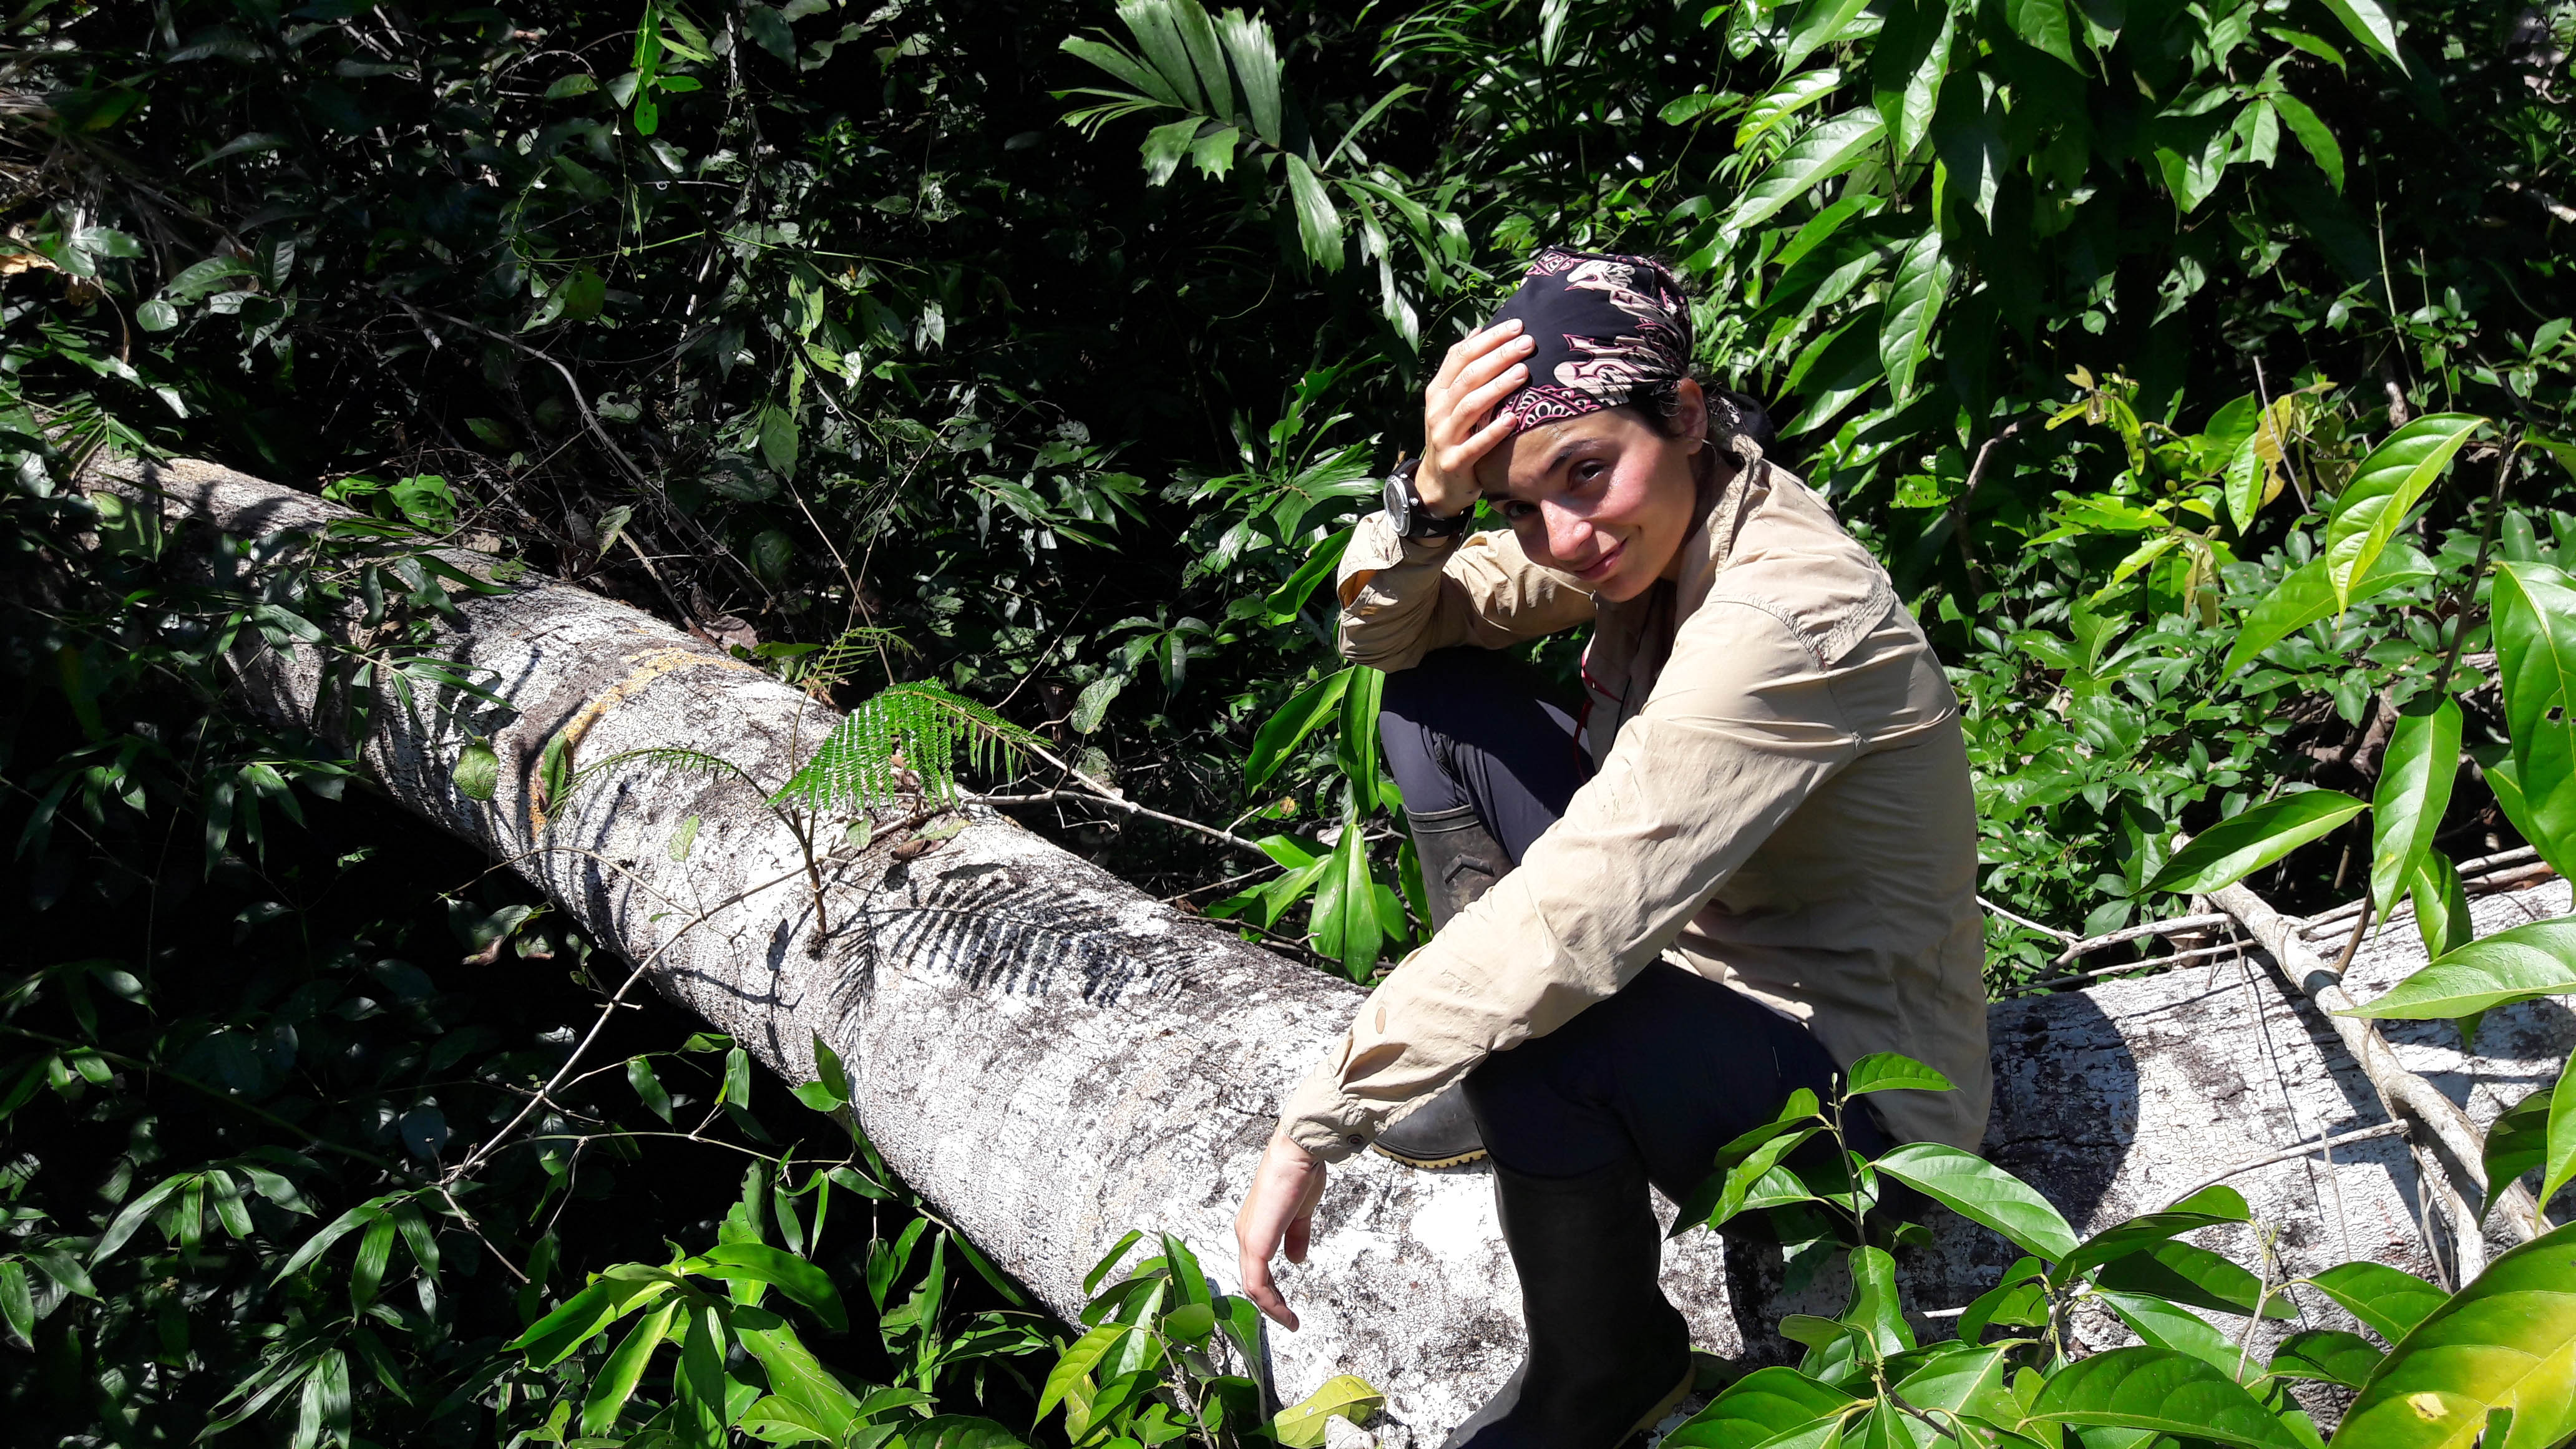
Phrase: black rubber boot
(1461, 859)
(1608, 1356)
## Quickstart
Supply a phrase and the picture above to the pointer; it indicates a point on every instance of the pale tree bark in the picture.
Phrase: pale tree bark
(1051, 1057)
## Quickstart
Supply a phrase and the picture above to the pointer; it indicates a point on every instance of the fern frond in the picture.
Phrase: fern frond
(668, 756)
(856, 764)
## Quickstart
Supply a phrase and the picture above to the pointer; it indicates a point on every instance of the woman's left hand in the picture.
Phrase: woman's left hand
(1279, 1209)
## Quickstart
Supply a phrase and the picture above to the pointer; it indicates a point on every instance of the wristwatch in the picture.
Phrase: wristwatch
(1404, 508)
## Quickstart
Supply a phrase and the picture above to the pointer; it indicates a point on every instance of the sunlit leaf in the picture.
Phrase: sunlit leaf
(2236, 847)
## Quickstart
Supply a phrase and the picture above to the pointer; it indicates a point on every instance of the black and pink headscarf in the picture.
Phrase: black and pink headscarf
(1608, 328)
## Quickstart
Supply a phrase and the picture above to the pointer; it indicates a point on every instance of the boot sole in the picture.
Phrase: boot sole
(1431, 1164)
(1681, 1391)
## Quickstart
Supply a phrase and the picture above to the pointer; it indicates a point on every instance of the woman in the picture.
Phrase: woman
(1750, 862)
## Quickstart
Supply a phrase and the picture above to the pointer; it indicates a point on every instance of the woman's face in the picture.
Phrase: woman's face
(1606, 497)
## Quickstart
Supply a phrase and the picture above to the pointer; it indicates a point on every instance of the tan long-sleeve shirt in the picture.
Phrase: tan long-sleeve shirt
(1780, 802)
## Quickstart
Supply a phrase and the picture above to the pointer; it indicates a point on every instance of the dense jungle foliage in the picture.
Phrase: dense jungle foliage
(1046, 354)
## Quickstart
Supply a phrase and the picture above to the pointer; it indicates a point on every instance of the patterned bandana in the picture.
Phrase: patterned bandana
(1605, 325)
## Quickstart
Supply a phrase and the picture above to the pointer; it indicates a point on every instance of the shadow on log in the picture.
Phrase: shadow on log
(1051, 1057)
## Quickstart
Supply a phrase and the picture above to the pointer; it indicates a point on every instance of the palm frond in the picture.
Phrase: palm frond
(856, 764)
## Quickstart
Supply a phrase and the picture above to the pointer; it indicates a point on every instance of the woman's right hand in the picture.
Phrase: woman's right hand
(1479, 372)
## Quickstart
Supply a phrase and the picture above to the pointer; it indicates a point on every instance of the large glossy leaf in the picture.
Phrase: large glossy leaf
(1962, 1379)
(1356, 747)
(2326, 1355)
(2560, 1163)
(1289, 725)
(1343, 921)
(1913, 305)
(583, 1315)
(1301, 1425)
(2522, 964)
(2504, 1345)
(2161, 1391)
(1760, 1407)
(2441, 906)
(616, 1380)
(1319, 226)
(2415, 778)
(1906, 66)
(2535, 635)
(2042, 25)
(2163, 1323)
(2308, 595)
(1248, 44)
(1982, 1192)
(2389, 1301)
(2235, 848)
(2384, 490)
(791, 1275)
(2370, 24)
(2206, 1208)
(1892, 1072)
(2518, 1140)
(1820, 23)
(2194, 1276)
(1831, 148)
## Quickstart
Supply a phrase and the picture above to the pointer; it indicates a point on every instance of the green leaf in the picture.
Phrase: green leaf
(2390, 1302)
(2319, 142)
(1982, 1192)
(1288, 727)
(1907, 64)
(2504, 1346)
(2308, 595)
(1256, 68)
(2326, 1355)
(2206, 1208)
(2161, 1391)
(778, 439)
(2517, 1141)
(1892, 1072)
(1165, 145)
(17, 1301)
(2042, 25)
(2370, 24)
(1343, 922)
(1820, 23)
(1758, 1408)
(791, 1275)
(2193, 1276)
(2522, 964)
(478, 770)
(2561, 1161)
(1827, 151)
(2441, 906)
(1735, 1183)
(2415, 777)
(2384, 489)
(1301, 1425)
(1319, 226)
(648, 1087)
(579, 1319)
(2535, 634)
(135, 1214)
(2237, 847)
(2163, 1323)
(1913, 305)
(624, 1368)
(1073, 1369)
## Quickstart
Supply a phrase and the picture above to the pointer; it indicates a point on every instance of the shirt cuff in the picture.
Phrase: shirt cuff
(1324, 1120)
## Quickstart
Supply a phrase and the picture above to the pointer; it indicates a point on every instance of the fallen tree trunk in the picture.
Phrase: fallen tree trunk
(1051, 1057)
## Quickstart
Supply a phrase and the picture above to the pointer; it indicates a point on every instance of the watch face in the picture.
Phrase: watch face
(1399, 504)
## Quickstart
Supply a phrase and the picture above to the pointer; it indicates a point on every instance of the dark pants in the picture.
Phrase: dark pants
(1672, 1067)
